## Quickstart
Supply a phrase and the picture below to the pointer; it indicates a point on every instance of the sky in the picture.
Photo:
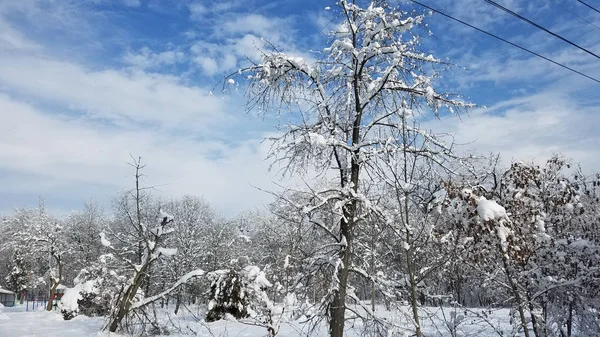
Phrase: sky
(87, 84)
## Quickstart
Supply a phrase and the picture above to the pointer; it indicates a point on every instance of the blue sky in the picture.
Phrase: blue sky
(84, 83)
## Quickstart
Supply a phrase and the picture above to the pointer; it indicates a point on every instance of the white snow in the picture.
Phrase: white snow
(51, 324)
(316, 139)
(254, 274)
(231, 81)
(72, 295)
(490, 210)
(182, 280)
(103, 240)
(503, 233)
(4, 291)
(69, 299)
(167, 251)
(569, 207)
(261, 280)
(581, 244)
(166, 215)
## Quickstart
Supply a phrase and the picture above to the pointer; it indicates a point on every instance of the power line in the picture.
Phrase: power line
(506, 41)
(577, 15)
(495, 4)
(594, 9)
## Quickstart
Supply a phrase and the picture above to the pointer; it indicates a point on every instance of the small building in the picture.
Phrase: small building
(7, 298)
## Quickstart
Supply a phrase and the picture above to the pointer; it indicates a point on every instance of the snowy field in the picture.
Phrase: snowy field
(16, 322)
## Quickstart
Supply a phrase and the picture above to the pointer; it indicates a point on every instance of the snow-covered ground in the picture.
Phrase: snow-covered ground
(19, 323)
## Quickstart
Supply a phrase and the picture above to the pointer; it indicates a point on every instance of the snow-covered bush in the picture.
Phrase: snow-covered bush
(239, 293)
(93, 304)
(227, 296)
(78, 300)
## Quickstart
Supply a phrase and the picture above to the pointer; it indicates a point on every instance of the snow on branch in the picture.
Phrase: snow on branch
(183, 280)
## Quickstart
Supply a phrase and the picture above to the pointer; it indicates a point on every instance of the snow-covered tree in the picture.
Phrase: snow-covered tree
(237, 291)
(133, 249)
(241, 292)
(526, 226)
(203, 241)
(45, 238)
(20, 275)
(347, 108)
(84, 228)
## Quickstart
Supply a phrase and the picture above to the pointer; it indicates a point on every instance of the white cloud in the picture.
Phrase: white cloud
(147, 59)
(113, 94)
(197, 10)
(242, 38)
(220, 59)
(255, 24)
(70, 156)
(531, 128)
(481, 14)
(208, 65)
(132, 3)
(73, 157)
(12, 39)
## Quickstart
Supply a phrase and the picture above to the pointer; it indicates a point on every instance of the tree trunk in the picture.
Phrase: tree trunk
(516, 293)
(570, 320)
(177, 301)
(52, 294)
(338, 305)
(413, 294)
(538, 323)
(125, 305)
(54, 282)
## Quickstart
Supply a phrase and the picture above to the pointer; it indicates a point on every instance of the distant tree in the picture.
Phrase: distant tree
(20, 274)
(85, 227)
(202, 239)
(44, 237)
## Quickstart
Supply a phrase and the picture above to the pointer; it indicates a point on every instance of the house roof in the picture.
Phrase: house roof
(4, 291)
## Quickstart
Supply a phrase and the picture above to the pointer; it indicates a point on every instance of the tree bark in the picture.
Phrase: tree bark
(413, 294)
(52, 294)
(570, 320)
(54, 282)
(338, 305)
(516, 293)
(125, 304)
(177, 301)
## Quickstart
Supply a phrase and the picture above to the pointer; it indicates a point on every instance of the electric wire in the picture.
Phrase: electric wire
(585, 4)
(497, 5)
(506, 41)
(577, 15)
